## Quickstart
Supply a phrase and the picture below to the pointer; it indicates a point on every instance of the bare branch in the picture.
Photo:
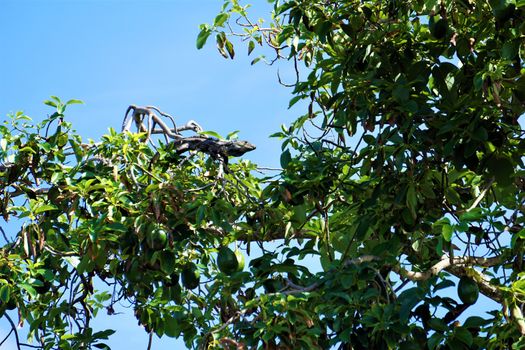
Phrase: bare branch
(13, 328)
(447, 262)
(517, 316)
(481, 195)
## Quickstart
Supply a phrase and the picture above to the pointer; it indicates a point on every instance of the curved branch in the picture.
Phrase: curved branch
(6, 337)
(13, 328)
(517, 316)
(446, 263)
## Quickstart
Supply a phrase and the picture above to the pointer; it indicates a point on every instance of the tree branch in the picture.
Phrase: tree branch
(445, 263)
(13, 328)
(517, 316)
(481, 196)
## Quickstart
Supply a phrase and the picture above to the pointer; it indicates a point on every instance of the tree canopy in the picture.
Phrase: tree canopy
(402, 176)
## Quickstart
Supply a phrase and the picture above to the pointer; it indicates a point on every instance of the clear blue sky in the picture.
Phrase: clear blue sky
(114, 53)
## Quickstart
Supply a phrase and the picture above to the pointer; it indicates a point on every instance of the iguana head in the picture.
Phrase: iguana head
(238, 148)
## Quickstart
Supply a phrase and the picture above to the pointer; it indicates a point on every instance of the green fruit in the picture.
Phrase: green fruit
(190, 277)
(229, 261)
(468, 290)
(156, 239)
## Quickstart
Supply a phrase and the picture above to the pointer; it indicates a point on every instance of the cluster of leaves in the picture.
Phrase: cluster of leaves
(410, 154)
(403, 179)
(141, 224)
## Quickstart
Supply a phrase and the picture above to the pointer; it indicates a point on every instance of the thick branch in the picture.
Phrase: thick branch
(517, 316)
(483, 281)
(446, 263)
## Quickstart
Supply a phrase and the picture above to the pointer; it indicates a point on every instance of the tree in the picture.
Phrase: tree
(403, 178)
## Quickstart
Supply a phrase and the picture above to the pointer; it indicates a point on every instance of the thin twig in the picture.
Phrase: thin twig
(481, 195)
(13, 328)
(5, 237)
(7, 336)
(150, 340)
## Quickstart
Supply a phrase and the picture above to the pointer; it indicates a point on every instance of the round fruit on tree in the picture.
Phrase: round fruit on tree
(190, 277)
(229, 261)
(156, 238)
(468, 290)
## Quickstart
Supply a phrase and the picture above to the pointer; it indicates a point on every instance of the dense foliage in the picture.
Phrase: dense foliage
(403, 178)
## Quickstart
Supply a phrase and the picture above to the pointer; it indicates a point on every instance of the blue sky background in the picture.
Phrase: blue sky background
(111, 54)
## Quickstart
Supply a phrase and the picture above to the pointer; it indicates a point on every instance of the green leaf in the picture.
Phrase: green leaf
(232, 135)
(254, 61)
(463, 335)
(299, 214)
(29, 289)
(201, 214)
(5, 292)
(171, 327)
(202, 37)
(472, 215)
(45, 146)
(44, 208)
(401, 93)
(286, 158)
(167, 262)
(229, 48)
(408, 300)
(452, 196)
(212, 134)
(434, 340)
(369, 139)
(51, 103)
(476, 322)
(220, 19)
(362, 228)
(443, 284)
(447, 231)
(251, 46)
(105, 334)
(510, 50)
(73, 101)
(437, 324)
(502, 168)
(76, 149)
(412, 199)
(294, 100)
